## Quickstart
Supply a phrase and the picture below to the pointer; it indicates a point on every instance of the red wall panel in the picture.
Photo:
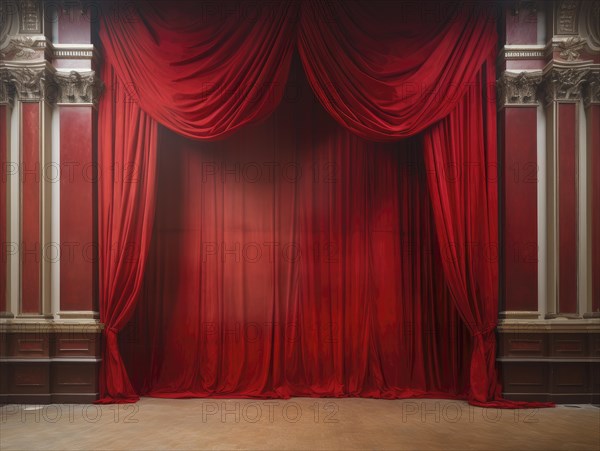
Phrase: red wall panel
(567, 207)
(30, 209)
(519, 209)
(521, 28)
(3, 206)
(77, 223)
(74, 25)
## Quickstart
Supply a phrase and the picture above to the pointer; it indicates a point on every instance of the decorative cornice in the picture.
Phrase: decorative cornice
(591, 89)
(513, 52)
(560, 84)
(23, 47)
(568, 48)
(74, 51)
(78, 87)
(518, 89)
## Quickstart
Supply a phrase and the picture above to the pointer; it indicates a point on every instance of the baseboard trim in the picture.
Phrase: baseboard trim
(14, 398)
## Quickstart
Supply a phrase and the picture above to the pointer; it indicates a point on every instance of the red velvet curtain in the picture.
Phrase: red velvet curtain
(307, 266)
(461, 160)
(205, 75)
(126, 197)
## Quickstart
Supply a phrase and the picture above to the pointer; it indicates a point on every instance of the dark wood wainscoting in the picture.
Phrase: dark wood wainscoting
(59, 363)
(550, 362)
(49, 363)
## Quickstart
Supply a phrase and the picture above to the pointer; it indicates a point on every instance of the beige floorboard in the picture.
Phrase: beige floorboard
(299, 423)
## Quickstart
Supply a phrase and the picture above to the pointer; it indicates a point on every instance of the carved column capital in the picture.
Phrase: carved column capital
(29, 83)
(564, 84)
(591, 89)
(517, 89)
(78, 87)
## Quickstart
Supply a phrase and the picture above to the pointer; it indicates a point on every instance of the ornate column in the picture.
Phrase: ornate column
(518, 101)
(75, 59)
(6, 100)
(563, 89)
(34, 117)
(77, 101)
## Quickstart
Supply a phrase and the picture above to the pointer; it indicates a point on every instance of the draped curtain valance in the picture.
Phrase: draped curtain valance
(383, 70)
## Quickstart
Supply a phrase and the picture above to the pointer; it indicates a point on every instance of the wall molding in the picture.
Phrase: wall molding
(44, 326)
(549, 325)
(519, 315)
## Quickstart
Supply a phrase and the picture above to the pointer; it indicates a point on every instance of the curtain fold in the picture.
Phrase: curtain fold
(387, 70)
(202, 70)
(126, 198)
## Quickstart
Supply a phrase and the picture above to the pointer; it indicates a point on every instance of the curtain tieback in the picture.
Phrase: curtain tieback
(485, 331)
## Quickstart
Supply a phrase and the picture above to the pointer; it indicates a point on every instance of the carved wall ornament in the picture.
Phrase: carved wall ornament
(566, 17)
(29, 83)
(564, 84)
(30, 15)
(591, 89)
(519, 88)
(77, 87)
(23, 48)
(570, 49)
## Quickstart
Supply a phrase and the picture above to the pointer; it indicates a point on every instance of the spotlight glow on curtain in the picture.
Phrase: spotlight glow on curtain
(383, 70)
